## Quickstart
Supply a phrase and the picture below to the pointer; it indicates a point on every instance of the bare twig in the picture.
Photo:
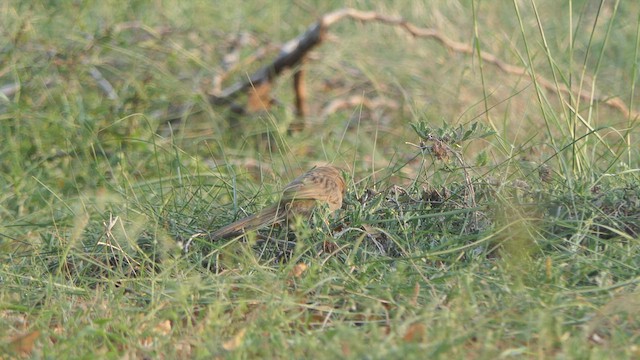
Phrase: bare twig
(301, 93)
(613, 102)
(301, 97)
(294, 51)
(291, 53)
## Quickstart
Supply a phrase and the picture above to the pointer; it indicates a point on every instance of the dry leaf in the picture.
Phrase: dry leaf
(329, 247)
(24, 344)
(146, 342)
(235, 342)
(317, 318)
(346, 350)
(299, 269)
(415, 333)
(164, 327)
(259, 97)
(439, 150)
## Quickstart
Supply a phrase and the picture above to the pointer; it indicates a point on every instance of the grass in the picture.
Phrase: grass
(485, 216)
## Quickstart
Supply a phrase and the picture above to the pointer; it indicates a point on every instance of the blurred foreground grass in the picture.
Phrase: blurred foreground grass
(518, 238)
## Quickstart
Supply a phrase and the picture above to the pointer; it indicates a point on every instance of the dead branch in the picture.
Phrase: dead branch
(290, 55)
(294, 51)
(613, 102)
(301, 93)
(301, 97)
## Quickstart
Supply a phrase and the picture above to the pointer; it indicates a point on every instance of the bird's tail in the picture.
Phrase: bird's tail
(266, 217)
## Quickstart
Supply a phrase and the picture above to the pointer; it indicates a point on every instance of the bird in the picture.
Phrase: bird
(318, 186)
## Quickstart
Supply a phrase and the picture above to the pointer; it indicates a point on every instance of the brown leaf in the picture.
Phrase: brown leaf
(164, 327)
(439, 150)
(299, 269)
(415, 333)
(24, 344)
(318, 318)
(146, 342)
(346, 350)
(329, 247)
(259, 97)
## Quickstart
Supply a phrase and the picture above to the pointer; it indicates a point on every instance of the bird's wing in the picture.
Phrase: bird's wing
(267, 216)
(303, 188)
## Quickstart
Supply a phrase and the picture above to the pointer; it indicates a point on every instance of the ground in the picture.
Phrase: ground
(490, 211)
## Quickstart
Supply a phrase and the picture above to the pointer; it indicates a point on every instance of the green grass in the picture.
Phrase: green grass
(485, 216)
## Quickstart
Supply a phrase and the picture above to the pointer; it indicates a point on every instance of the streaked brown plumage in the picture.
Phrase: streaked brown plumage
(320, 185)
